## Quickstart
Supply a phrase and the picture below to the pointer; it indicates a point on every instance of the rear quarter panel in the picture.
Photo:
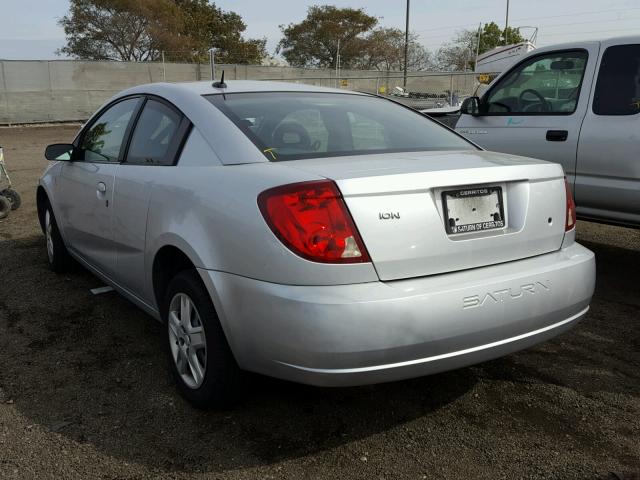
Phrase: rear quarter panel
(211, 214)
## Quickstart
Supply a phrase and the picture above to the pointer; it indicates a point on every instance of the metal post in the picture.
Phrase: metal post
(337, 63)
(164, 69)
(451, 89)
(212, 63)
(506, 26)
(406, 48)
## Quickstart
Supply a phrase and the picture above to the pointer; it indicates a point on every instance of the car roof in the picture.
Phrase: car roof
(607, 41)
(240, 86)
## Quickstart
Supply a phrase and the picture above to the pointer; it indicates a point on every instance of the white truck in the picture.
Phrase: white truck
(577, 104)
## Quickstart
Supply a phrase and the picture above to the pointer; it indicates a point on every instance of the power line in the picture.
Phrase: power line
(535, 18)
(590, 21)
(613, 31)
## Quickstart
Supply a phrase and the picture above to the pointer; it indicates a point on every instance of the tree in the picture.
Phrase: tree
(461, 52)
(314, 41)
(128, 30)
(138, 30)
(208, 26)
(384, 50)
(493, 37)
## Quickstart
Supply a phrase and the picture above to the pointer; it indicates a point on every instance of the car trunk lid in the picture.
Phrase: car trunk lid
(396, 201)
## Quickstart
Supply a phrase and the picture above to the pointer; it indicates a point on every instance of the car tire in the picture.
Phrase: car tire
(13, 197)
(57, 253)
(200, 358)
(5, 207)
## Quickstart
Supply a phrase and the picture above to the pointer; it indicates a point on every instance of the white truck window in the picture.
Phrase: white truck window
(618, 87)
(545, 84)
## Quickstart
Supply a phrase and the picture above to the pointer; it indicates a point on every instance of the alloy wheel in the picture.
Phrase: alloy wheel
(187, 340)
(48, 232)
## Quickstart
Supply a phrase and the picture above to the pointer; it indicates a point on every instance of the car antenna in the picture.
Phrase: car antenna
(221, 83)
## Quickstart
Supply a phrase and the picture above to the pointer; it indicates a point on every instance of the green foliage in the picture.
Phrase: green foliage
(133, 30)
(383, 49)
(207, 26)
(139, 30)
(461, 52)
(492, 36)
(314, 41)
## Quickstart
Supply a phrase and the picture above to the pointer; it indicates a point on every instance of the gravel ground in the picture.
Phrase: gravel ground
(85, 392)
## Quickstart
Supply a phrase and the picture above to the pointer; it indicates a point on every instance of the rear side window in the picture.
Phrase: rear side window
(618, 86)
(300, 125)
(155, 135)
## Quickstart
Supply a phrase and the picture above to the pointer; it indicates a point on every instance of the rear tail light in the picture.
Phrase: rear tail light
(571, 208)
(312, 220)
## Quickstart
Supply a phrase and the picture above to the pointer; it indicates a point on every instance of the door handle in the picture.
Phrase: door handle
(102, 188)
(557, 135)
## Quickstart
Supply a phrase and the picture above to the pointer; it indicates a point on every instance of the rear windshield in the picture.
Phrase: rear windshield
(294, 126)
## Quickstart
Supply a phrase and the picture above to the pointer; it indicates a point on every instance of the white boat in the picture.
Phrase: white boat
(499, 59)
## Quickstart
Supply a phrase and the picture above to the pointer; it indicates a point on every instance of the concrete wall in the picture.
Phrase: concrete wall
(62, 90)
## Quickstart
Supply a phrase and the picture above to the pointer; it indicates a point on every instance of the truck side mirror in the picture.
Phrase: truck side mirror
(470, 106)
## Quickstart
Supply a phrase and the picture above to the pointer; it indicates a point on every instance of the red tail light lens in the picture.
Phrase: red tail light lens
(312, 220)
(571, 208)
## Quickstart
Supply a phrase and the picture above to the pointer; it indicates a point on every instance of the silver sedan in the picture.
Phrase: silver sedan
(316, 235)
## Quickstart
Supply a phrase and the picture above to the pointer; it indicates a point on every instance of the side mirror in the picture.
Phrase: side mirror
(470, 106)
(59, 152)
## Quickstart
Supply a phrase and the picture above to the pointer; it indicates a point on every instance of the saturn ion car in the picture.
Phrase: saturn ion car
(321, 236)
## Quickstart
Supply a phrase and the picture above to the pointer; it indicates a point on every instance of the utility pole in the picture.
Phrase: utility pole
(506, 26)
(406, 47)
(475, 62)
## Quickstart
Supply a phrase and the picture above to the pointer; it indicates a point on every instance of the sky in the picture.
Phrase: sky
(29, 30)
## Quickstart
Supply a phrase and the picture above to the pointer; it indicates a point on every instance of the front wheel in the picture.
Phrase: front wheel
(57, 254)
(200, 359)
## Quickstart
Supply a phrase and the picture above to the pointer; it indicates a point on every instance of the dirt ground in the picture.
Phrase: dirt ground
(85, 392)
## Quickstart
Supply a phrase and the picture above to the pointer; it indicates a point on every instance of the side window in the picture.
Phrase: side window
(153, 141)
(618, 86)
(104, 139)
(367, 134)
(301, 131)
(546, 84)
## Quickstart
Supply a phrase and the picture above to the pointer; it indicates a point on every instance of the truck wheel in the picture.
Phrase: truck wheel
(200, 359)
(57, 254)
(13, 197)
(5, 207)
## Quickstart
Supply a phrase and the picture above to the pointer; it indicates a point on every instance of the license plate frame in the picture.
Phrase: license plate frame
(457, 200)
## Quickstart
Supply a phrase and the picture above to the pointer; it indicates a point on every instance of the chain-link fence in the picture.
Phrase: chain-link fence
(66, 90)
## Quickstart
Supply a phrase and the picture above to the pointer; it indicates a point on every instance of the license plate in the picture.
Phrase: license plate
(473, 209)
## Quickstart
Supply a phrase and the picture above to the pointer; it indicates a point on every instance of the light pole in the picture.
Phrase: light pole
(406, 47)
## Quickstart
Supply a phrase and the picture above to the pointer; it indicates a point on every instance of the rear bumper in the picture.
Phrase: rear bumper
(378, 332)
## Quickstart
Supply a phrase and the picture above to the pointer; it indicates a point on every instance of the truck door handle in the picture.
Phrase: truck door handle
(557, 135)
(102, 188)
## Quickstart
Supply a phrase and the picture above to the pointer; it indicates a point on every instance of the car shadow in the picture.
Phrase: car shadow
(92, 367)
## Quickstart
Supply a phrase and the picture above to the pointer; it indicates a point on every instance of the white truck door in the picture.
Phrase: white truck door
(608, 168)
(536, 108)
